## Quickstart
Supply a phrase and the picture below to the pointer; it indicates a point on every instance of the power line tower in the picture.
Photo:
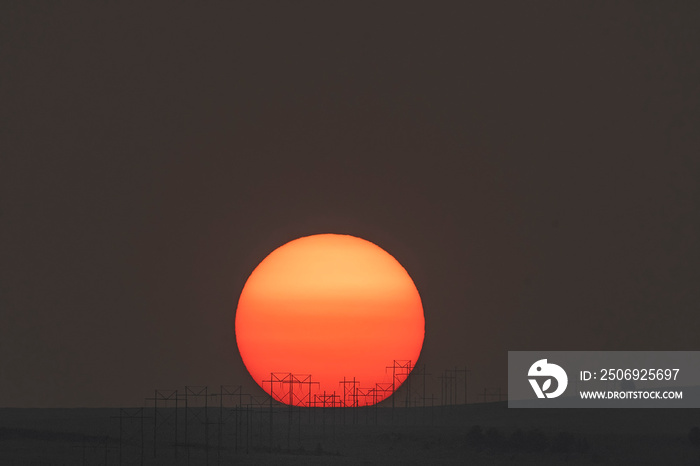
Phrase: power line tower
(424, 396)
(416, 382)
(327, 400)
(419, 388)
(282, 388)
(466, 372)
(449, 385)
(350, 396)
(368, 397)
(131, 435)
(197, 408)
(447, 381)
(165, 408)
(381, 392)
(302, 395)
(260, 404)
(400, 371)
(292, 389)
(280, 379)
(230, 408)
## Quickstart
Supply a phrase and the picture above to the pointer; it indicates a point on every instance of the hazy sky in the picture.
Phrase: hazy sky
(533, 165)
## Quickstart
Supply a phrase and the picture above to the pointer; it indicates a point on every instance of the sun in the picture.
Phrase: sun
(329, 320)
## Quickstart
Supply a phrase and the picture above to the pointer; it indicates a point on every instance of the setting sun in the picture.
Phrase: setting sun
(325, 309)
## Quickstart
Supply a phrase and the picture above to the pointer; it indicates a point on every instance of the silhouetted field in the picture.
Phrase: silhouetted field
(487, 433)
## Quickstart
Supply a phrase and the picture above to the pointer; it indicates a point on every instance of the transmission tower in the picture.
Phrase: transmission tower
(230, 407)
(197, 408)
(400, 370)
(131, 431)
(163, 414)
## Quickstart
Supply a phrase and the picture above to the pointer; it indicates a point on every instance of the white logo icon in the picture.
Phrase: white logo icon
(543, 369)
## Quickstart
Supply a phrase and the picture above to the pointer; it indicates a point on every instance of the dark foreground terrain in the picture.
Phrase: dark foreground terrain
(487, 433)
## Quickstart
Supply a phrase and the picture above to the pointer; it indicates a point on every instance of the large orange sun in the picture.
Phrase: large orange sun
(329, 320)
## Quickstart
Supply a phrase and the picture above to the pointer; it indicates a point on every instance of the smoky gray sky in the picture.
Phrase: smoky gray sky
(533, 166)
